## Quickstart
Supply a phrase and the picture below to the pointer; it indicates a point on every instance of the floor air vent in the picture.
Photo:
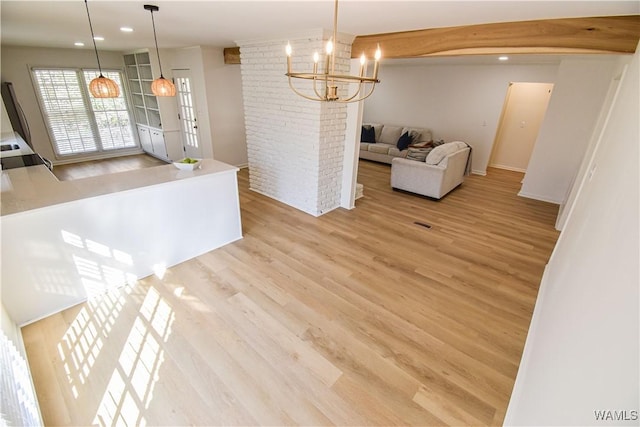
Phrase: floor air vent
(422, 224)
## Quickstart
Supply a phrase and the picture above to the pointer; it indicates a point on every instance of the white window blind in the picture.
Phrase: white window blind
(77, 122)
(112, 115)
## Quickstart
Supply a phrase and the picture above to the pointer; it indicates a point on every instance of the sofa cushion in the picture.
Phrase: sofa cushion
(364, 146)
(368, 134)
(390, 134)
(395, 152)
(441, 151)
(380, 148)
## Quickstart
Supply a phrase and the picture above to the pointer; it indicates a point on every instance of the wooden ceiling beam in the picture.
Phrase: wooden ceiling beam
(607, 34)
(604, 34)
(231, 55)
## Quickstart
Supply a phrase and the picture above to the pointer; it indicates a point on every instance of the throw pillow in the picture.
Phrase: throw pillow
(415, 136)
(368, 134)
(404, 141)
(418, 154)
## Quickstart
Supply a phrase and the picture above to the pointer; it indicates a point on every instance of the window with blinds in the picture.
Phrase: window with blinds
(77, 122)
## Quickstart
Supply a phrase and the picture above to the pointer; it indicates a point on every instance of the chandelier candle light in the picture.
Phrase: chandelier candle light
(160, 86)
(100, 87)
(328, 79)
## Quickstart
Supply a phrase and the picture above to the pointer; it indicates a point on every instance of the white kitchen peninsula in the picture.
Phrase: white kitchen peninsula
(64, 241)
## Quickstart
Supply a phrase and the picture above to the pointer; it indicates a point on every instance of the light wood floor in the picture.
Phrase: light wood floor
(355, 318)
(104, 166)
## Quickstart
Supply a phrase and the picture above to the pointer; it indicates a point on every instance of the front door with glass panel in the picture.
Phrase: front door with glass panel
(187, 114)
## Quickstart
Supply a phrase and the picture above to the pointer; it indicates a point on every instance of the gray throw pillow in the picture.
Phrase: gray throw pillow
(418, 154)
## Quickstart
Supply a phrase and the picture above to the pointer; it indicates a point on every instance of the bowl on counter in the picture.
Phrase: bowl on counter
(188, 164)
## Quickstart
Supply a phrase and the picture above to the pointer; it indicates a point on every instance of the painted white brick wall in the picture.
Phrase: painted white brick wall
(295, 146)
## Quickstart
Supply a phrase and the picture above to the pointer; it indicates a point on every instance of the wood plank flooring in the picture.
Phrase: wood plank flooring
(358, 317)
(91, 168)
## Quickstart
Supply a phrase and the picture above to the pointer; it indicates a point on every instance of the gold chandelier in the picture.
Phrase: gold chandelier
(325, 84)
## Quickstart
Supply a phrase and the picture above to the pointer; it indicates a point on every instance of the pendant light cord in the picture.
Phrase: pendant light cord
(93, 38)
(153, 22)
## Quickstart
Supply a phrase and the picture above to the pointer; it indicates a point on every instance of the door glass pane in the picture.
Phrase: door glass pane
(188, 121)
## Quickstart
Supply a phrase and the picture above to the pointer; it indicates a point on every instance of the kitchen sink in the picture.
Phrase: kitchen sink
(9, 147)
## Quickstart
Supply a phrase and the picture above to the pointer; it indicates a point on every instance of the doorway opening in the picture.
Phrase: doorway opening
(524, 109)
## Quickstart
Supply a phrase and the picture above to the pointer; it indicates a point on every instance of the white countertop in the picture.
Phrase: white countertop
(35, 187)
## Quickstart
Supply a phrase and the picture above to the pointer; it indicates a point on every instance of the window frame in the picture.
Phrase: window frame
(100, 152)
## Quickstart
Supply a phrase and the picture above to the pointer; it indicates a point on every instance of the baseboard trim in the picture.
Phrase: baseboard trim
(479, 172)
(539, 197)
(315, 214)
(509, 168)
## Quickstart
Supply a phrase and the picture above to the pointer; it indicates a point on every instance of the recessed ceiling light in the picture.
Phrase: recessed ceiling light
(126, 29)
(503, 58)
(78, 44)
(98, 38)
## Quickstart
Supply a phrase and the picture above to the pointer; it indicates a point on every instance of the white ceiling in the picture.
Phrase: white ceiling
(220, 23)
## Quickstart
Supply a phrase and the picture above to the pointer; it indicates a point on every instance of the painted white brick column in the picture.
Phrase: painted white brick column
(295, 146)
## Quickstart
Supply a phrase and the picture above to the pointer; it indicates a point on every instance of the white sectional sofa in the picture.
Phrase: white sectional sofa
(385, 148)
(443, 170)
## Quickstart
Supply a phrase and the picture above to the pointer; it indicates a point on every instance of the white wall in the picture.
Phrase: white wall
(6, 130)
(16, 63)
(226, 113)
(457, 102)
(593, 143)
(581, 353)
(580, 90)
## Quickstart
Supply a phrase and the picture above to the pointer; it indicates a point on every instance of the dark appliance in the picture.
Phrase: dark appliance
(15, 113)
(21, 126)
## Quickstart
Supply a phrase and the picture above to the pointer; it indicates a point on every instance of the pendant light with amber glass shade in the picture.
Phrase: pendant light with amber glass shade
(160, 86)
(101, 86)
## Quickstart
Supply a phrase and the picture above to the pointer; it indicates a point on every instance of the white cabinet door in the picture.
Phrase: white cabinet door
(145, 139)
(172, 141)
(159, 148)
